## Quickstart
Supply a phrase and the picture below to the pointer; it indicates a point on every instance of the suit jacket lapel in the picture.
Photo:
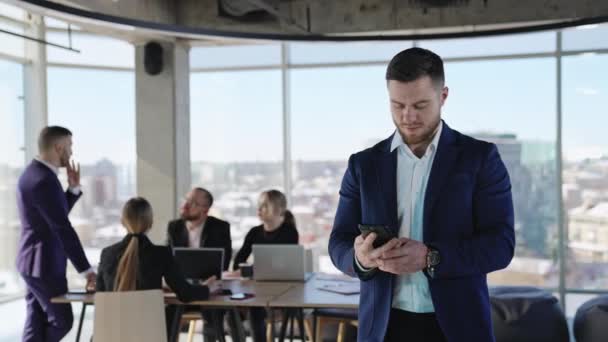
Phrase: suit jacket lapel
(447, 154)
(182, 234)
(204, 233)
(386, 173)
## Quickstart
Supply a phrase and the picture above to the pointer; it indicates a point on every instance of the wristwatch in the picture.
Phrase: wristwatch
(432, 260)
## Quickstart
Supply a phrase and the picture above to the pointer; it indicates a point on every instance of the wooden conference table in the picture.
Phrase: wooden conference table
(267, 294)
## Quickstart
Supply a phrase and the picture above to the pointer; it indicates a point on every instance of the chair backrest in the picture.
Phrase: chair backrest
(130, 316)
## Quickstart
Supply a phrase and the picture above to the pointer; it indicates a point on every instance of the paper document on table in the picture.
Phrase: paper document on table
(345, 288)
(336, 277)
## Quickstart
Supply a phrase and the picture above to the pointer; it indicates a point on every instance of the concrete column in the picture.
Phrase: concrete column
(34, 85)
(163, 133)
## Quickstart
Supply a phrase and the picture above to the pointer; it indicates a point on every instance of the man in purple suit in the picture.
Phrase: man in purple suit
(47, 236)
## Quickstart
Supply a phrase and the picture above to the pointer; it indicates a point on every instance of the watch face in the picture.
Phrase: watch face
(434, 257)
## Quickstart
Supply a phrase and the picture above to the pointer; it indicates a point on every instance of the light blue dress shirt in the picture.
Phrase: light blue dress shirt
(411, 291)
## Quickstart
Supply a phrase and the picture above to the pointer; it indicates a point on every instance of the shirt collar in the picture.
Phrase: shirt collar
(196, 228)
(398, 140)
(49, 165)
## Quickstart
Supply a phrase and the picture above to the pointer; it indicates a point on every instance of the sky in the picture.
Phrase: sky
(236, 116)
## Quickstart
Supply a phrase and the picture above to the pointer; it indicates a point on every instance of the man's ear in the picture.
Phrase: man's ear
(444, 94)
(58, 147)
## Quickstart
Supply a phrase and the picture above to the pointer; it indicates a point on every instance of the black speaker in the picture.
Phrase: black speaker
(153, 58)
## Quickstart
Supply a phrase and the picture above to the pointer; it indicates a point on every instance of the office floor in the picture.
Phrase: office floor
(12, 316)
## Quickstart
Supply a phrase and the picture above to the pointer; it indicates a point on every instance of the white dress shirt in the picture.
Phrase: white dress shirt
(194, 235)
(411, 291)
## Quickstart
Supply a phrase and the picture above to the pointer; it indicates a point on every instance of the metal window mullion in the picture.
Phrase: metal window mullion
(558, 160)
(384, 62)
(89, 67)
(14, 58)
(286, 103)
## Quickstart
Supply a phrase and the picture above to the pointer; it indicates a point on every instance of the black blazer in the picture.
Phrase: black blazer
(155, 262)
(216, 234)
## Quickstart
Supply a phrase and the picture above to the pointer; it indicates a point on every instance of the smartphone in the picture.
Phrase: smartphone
(241, 296)
(383, 233)
(225, 292)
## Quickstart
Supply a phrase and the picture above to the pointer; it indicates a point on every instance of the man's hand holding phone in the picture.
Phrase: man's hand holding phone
(366, 254)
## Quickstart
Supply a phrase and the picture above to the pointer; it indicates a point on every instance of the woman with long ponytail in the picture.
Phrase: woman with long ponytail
(137, 219)
(135, 263)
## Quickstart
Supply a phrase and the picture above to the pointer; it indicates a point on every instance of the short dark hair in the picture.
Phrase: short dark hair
(414, 63)
(207, 194)
(49, 135)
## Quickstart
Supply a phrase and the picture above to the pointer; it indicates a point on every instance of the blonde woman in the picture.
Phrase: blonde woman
(278, 227)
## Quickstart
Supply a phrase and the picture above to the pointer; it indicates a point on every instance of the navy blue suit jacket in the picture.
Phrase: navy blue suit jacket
(47, 236)
(468, 217)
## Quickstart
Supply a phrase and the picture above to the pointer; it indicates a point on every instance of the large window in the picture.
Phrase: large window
(249, 55)
(585, 170)
(493, 46)
(333, 117)
(11, 164)
(99, 108)
(94, 50)
(586, 37)
(11, 45)
(512, 103)
(236, 144)
(311, 53)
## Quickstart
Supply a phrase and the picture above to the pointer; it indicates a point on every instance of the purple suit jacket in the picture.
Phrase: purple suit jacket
(47, 236)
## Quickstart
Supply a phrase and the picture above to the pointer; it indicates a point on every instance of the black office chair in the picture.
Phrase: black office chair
(591, 320)
(527, 314)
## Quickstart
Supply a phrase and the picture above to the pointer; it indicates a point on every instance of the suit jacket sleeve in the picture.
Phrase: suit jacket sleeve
(227, 244)
(493, 245)
(348, 216)
(169, 239)
(100, 284)
(71, 198)
(49, 203)
(244, 252)
(293, 236)
(177, 282)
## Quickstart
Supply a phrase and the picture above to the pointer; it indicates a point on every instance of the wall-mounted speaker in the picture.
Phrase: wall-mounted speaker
(153, 58)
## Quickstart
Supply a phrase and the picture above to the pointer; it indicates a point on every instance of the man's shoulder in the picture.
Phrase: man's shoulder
(371, 152)
(176, 225)
(34, 175)
(472, 144)
(218, 222)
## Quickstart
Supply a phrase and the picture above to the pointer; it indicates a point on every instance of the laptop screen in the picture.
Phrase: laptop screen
(199, 263)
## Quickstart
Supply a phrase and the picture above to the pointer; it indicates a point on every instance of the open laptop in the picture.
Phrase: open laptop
(279, 263)
(199, 263)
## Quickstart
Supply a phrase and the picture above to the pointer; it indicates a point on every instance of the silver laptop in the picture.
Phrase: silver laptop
(279, 263)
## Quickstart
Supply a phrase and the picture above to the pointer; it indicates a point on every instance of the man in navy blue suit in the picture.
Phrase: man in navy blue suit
(445, 198)
(47, 236)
